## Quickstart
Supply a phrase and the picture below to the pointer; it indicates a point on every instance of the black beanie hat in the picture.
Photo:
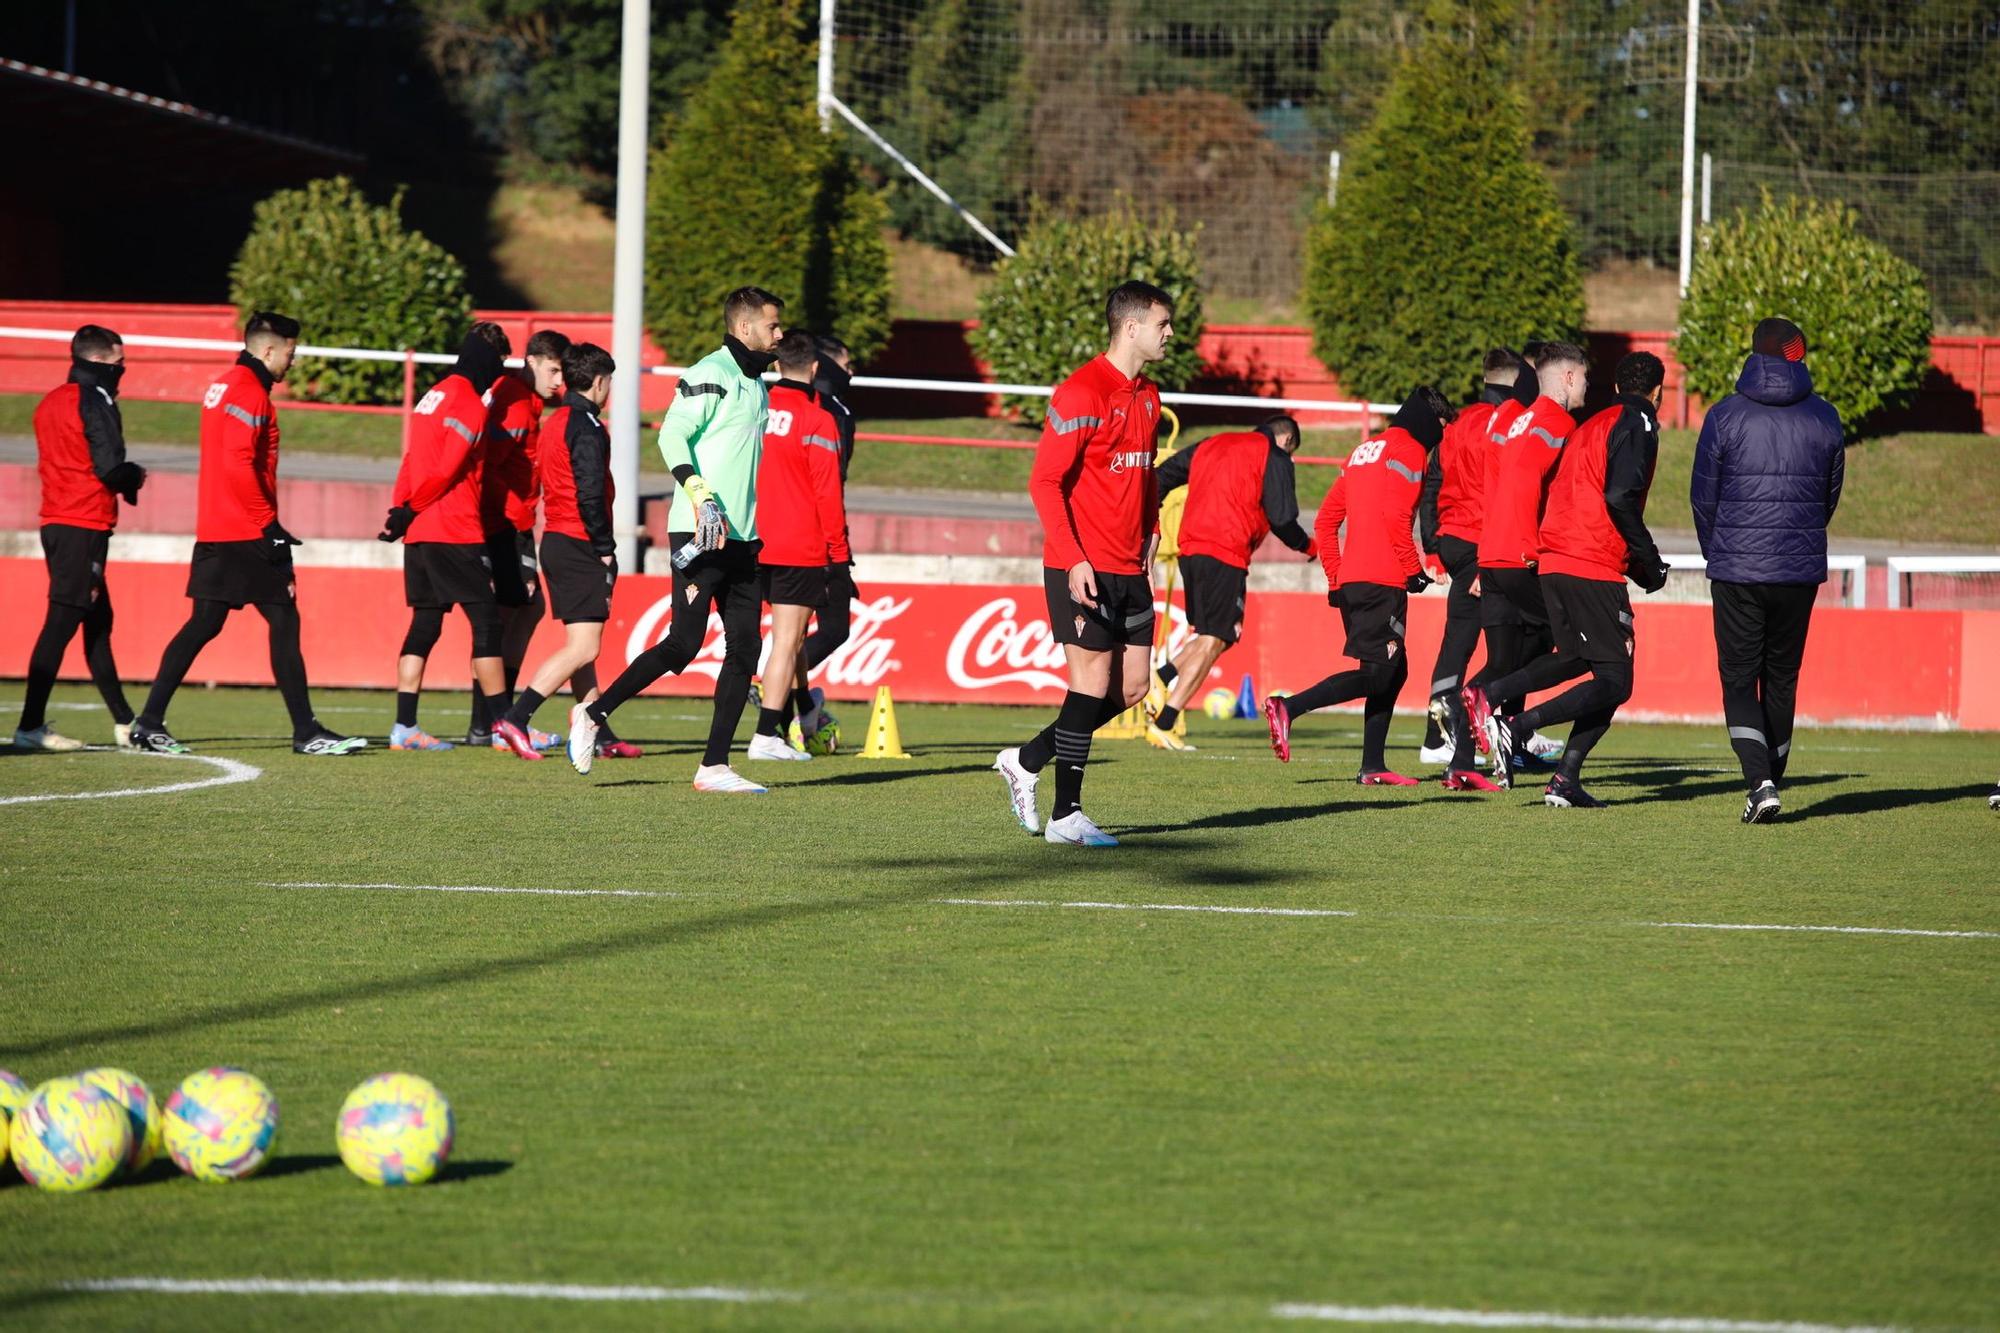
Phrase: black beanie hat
(1421, 420)
(1779, 337)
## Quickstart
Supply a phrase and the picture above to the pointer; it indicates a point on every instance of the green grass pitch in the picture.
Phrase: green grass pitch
(1493, 1086)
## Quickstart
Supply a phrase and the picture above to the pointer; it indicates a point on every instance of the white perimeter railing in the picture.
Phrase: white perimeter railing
(1854, 566)
(1902, 566)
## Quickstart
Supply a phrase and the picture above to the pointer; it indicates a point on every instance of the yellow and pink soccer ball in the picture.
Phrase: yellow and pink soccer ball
(69, 1136)
(13, 1096)
(130, 1091)
(395, 1129)
(1219, 702)
(220, 1124)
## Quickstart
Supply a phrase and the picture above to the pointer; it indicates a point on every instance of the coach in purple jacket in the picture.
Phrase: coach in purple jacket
(1767, 475)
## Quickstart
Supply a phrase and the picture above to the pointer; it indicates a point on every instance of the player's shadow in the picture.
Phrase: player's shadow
(891, 770)
(1679, 788)
(1263, 816)
(1891, 798)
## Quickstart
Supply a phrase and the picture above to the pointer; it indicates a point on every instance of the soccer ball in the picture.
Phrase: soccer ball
(13, 1096)
(220, 1124)
(1219, 702)
(395, 1129)
(71, 1136)
(130, 1092)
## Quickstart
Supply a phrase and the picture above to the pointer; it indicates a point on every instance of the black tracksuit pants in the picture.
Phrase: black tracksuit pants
(1760, 641)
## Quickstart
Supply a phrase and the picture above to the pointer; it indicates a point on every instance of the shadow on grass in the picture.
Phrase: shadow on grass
(891, 770)
(298, 1164)
(1678, 788)
(1892, 798)
(1265, 816)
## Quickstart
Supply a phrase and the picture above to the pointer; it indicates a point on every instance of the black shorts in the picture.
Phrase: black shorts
(579, 582)
(446, 574)
(242, 574)
(1123, 614)
(75, 557)
(1511, 597)
(1589, 618)
(516, 579)
(1215, 591)
(840, 591)
(1375, 617)
(793, 585)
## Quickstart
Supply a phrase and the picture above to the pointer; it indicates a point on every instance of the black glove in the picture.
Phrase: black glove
(1333, 599)
(398, 523)
(275, 534)
(125, 480)
(1416, 583)
(1651, 577)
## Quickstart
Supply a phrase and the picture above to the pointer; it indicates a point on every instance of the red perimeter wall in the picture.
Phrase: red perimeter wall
(1961, 390)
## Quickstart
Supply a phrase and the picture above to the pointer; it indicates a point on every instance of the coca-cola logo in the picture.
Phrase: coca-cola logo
(866, 659)
(994, 646)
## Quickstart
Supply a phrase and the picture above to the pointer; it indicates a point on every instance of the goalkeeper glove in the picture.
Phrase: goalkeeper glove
(711, 527)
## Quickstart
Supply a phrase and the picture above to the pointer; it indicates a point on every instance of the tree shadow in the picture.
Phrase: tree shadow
(1892, 798)
(1265, 816)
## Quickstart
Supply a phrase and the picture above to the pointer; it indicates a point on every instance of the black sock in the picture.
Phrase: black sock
(1073, 728)
(1167, 717)
(1376, 716)
(1433, 734)
(770, 721)
(480, 721)
(802, 701)
(1168, 671)
(523, 710)
(496, 705)
(406, 707)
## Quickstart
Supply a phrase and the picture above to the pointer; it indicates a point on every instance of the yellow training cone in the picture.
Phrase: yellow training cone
(884, 741)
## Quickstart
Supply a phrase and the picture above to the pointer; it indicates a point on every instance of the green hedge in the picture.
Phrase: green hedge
(1444, 239)
(1865, 311)
(353, 276)
(746, 188)
(1042, 316)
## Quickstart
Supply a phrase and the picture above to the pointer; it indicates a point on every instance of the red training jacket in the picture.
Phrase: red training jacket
(1224, 518)
(72, 493)
(1461, 497)
(508, 488)
(1093, 483)
(1580, 535)
(1518, 471)
(1376, 493)
(573, 462)
(441, 474)
(801, 505)
(238, 493)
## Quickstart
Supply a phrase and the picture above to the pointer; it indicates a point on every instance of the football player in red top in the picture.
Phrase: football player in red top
(242, 554)
(1099, 503)
(802, 517)
(1241, 487)
(1371, 570)
(436, 507)
(508, 490)
(1593, 536)
(80, 448)
(1521, 460)
(1448, 520)
(579, 554)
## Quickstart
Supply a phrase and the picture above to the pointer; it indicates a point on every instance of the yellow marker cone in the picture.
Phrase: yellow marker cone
(884, 740)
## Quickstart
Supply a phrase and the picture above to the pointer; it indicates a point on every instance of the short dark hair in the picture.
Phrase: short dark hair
(797, 350)
(1501, 366)
(1531, 352)
(831, 346)
(92, 341)
(1560, 354)
(548, 342)
(746, 301)
(583, 364)
(273, 323)
(1272, 427)
(493, 336)
(1131, 300)
(1639, 373)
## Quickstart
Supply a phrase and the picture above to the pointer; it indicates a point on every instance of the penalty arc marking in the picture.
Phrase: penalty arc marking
(232, 772)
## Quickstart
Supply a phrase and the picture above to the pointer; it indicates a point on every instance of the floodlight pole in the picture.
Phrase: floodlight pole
(628, 281)
(826, 31)
(1687, 142)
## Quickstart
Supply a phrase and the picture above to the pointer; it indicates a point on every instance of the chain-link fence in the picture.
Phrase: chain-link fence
(1229, 114)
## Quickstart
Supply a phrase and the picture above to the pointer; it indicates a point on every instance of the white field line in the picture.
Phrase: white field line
(528, 1291)
(470, 888)
(1417, 1314)
(1497, 920)
(233, 771)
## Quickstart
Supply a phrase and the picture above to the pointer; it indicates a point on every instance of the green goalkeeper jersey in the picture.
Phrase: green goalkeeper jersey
(715, 425)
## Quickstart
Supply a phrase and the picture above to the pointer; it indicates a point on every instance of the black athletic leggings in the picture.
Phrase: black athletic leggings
(1461, 631)
(45, 663)
(1377, 684)
(1589, 705)
(288, 665)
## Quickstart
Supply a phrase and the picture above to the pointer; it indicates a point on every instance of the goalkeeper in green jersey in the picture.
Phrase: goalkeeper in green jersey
(712, 438)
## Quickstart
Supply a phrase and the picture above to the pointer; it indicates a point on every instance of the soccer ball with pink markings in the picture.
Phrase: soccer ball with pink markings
(395, 1129)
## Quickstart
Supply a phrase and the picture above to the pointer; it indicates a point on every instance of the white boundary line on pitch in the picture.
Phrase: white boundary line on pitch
(233, 771)
(1418, 1314)
(1311, 911)
(473, 888)
(530, 1291)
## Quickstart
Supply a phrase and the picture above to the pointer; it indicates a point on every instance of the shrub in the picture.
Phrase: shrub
(1042, 316)
(1865, 311)
(747, 189)
(1444, 239)
(353, 276)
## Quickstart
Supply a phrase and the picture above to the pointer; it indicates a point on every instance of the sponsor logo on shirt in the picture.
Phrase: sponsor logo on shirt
(1139, 458)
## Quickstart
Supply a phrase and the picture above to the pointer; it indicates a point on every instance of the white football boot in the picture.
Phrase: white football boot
(1020, 788)
(1076, 830)
(776, 747)
(723, 778)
